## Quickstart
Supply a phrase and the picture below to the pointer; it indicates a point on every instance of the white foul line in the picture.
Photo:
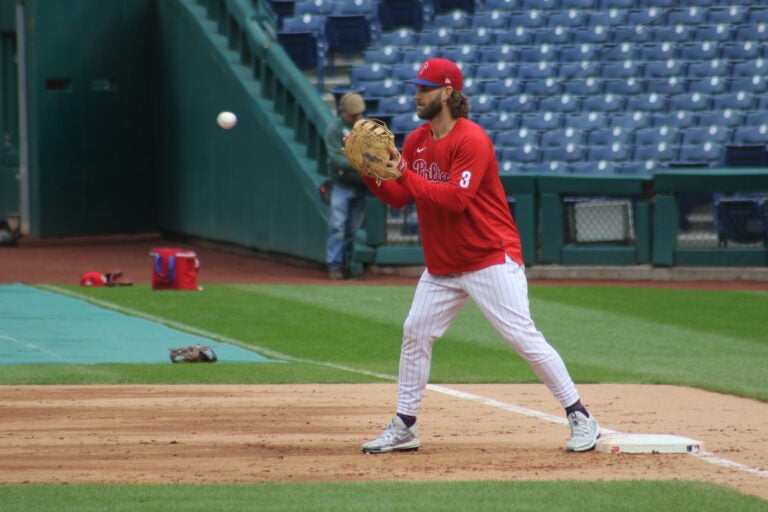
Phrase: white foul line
(35, 347)
(703, 455)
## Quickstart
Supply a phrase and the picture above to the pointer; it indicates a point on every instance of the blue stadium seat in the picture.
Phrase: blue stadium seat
(400, 104)
(578, 4)
(678, 33)
(647, 102)
(515, 35)
(538, 88)
(619, 52)
(367, 8)
(698, 50)
(561, 136)
(491, 19)
(741, 100)
(597, 34)
(386, 55)
(420, 53)
(653, 135)
(731, 14)
(750, 67)
(708, 85)
(755, 84)
(680, 119)
(493, 71)
(589, 86)
(480, 37)
(503, 5)
(608, 136)
(314, 7)
(551, 35)
(516, 138)
(660, 153)
(437, 37)
(525, 154)
(750, 135)
(706, 69)
(614, 152)
(719, 32)
(538, 70)
(567, 17)
(607, 17)
(472, 87)
(304, 23)
(658, 50)
(632, 168)
(666, 86)
(536, 53)
(404, 71)
(541, 121)
(687, 15)
(499, 121)
(637, 34)
(581, 69)
(465, 53)
(743, 50)
(663, 69)
(616, 4)
(452, 20)
(585, 120)
(368, 73)
(623, 86)
(561, 103)
(483, 103)
(497, 53)
(403, 36)
(644, 16)
(702, 134)
(623, 69)
(502, 88)
(568, 153)
(608, 102)
(404, 123)
(517, 104)
(593, 167)
(709, 154)
(691, 102)
(384, 88)
(727, 118)
(758, 14)
(526, 18)
(631, 120)
(750, 32)
(578, 52)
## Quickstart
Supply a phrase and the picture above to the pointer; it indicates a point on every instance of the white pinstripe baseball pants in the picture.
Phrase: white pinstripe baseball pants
(501, 293)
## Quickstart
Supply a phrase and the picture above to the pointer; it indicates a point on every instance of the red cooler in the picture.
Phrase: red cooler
(174, 269)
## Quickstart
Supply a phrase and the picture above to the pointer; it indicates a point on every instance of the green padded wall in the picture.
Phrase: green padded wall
(90, 149)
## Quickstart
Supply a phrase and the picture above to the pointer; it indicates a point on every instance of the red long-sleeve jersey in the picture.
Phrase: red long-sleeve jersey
(464, 218)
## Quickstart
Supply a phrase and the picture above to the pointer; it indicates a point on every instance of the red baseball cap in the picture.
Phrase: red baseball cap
(438, 73)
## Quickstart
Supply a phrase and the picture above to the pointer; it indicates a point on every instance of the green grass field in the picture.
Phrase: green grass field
(713, 340)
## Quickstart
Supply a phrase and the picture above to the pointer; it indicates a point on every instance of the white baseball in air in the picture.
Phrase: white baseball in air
(226, 120)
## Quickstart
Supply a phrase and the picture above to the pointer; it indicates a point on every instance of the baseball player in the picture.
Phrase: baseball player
(471, 249)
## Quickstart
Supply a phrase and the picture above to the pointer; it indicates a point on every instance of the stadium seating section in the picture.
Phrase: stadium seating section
(586, 86)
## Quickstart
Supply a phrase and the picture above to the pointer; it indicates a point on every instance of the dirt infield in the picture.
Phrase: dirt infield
(225, 433)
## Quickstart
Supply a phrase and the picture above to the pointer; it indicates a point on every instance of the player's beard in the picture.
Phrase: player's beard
(430, 110)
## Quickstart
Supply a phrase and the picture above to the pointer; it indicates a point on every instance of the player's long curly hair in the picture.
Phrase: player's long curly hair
(459, 105)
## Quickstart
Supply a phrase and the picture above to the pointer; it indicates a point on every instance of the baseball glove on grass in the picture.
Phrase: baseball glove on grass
(193, 354)
(369, 150)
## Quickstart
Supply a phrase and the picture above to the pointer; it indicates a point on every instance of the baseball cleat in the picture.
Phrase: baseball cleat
(584, 432)
(395, 438)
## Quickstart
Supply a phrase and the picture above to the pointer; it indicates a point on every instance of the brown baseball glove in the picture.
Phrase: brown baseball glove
(193, 354)
(369, 149)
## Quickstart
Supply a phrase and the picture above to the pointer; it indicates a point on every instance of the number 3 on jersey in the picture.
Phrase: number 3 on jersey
(465, 177)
